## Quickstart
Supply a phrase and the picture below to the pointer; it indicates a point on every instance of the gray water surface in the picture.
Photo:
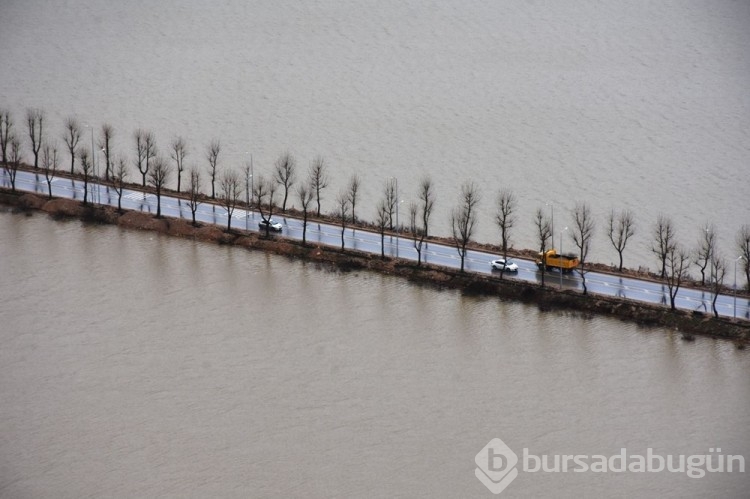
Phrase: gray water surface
(639, 105)
(138, 365)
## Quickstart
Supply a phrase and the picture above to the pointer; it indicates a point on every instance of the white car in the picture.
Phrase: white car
(506, 266)
(270, 224)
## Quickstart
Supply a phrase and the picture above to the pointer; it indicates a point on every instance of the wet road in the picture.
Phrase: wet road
(476, 261)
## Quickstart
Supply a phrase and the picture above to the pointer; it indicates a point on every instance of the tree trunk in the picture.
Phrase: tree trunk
(304, 227)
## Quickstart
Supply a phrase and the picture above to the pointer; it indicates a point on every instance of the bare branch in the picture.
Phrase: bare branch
(13, 161)
(381, 220)
(305, 194)
(119, 176)
(391, 199)
(212, 154)
(50, 162)
(35, 124)
(230, 187)
(72, 138)
(464, 219)
(86, 169)
(676, 262)
(718, 272)
(157, 178)
(706, 249)
(583, 231)
(6, 133)
(354, 184)
(505, 218)
(194, 191)
(743, 244)
(621, 228)
(105, 143)
(663, 242)
(342, 211)
(544, 233)
(178, 153)
(318, 179)
(284, 174)
(419, 215)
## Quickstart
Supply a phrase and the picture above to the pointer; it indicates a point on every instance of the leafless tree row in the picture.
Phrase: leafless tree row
(673, 258)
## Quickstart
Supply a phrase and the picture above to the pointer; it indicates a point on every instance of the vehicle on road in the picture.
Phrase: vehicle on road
(553, 260)
(271, 224)
(504, 265)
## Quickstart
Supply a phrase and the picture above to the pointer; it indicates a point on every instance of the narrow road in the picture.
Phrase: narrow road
(476, 261)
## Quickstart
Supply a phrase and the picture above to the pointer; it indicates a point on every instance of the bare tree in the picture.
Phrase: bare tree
(194, 191)
(35, 123)
(230, 190)
(50, 162)
(706, 249)
(621, 228)
(743, 244)
(415, 230)
(505, 219)
(105, 143)
(149, 144)
(419, 215)
(265, 192)
(464, 219)
(157, 178)
(544, 233)
(718, 272)
(381, 220)
(391, 199)
(677, 261)
(6, 132)
(72, 137)
(354, 184)
(140, 154)
(663, 242)
(305, 194)
(583, 231)
(318, 179)
(86, 169)
(13, 161)
(178, 153)
(119, 176)
(342, 211)
(212, 154)
(284, 174)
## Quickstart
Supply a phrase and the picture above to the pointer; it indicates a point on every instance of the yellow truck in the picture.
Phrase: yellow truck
(565, 263)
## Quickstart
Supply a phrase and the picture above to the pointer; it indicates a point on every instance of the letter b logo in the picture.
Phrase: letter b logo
(496, 465)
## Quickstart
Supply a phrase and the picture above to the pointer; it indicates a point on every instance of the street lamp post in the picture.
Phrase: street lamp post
(561, 253)
(397, 203)
(552, 217)
(741, 257)
(93, 162)
(249, 191)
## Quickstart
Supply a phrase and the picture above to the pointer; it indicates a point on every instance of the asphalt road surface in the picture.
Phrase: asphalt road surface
(476, 261)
